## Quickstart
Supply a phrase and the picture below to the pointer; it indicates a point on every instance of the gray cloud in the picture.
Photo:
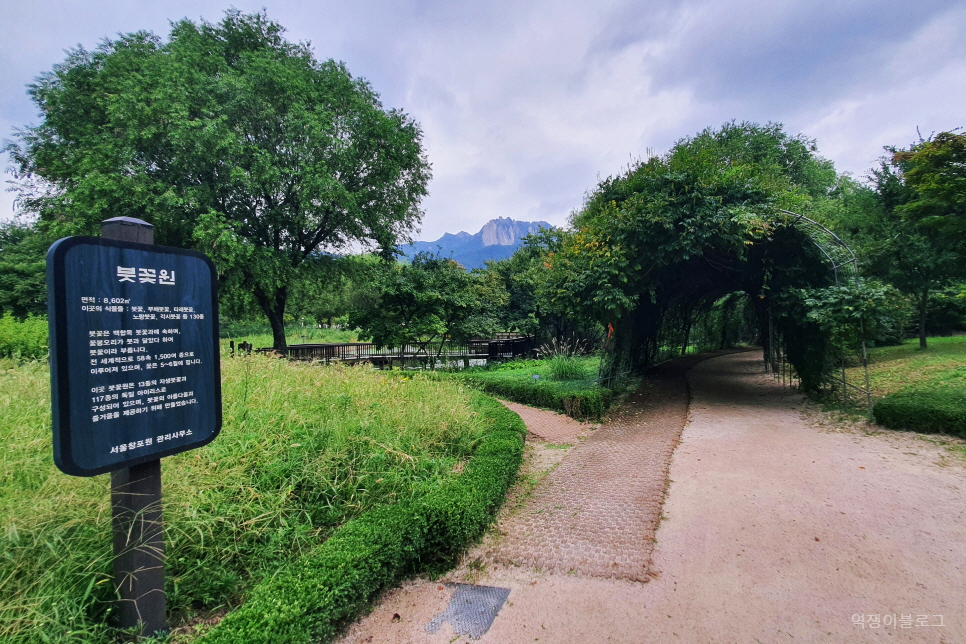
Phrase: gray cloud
(525, 106)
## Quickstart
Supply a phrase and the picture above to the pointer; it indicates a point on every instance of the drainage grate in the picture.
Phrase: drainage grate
(471, 610)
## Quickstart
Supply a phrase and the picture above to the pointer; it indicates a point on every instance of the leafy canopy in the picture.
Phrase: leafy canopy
(227, 138)
(23, 290)
(711, 198)
(663, 241)
(430, 299)
(935, 173)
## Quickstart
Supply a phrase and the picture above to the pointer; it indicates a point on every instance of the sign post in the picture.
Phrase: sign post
(135, 377)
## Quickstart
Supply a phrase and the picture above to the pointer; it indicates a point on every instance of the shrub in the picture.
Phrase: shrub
(932, 410)
(311, 598)
(23, 339)
(583, 403)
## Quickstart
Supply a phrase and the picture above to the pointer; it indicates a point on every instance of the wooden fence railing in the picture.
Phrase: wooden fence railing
(428, 353)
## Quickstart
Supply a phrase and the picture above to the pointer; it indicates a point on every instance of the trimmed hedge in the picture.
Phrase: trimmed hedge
(310, 599)
(589, 403)
(940, 409)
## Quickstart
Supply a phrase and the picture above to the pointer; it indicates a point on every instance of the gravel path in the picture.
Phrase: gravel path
(778, 526)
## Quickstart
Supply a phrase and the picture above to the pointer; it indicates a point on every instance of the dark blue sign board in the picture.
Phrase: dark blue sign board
(134, 356)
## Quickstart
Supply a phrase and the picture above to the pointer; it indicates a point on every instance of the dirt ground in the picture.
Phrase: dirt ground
(778, 525)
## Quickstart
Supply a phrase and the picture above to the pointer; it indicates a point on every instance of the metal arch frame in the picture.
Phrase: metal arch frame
(835, 250)
(839, 255)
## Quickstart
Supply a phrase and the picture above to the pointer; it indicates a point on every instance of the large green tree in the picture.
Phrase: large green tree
(934, 172)
(431, 299)
(227, 138)
(904, 238)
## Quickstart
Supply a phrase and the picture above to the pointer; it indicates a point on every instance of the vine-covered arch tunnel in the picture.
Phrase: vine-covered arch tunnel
(661, 243)
(759, 288)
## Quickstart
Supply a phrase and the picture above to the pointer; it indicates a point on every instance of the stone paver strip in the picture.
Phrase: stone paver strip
(549, 425)
(597, 513)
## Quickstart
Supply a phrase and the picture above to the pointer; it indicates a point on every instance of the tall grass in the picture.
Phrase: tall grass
(303, 448)
(562, 357)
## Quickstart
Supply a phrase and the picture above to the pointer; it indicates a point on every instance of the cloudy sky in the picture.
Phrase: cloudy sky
(526, 105)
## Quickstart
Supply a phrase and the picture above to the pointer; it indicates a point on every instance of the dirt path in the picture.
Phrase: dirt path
(776, 527)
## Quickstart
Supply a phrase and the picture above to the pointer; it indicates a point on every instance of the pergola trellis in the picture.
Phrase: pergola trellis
(845, 268)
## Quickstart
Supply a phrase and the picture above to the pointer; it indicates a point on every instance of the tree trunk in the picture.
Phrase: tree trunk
(274, 309)
(724, 328)
(923, 301)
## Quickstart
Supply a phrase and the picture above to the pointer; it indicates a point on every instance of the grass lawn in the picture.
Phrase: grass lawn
(565, 385)
(920, 390)
(522, 371)
(942, 363)
(303, 449)
(260, 335)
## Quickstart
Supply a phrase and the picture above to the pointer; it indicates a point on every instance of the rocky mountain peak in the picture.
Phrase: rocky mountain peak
(496, 240)
(504, 231)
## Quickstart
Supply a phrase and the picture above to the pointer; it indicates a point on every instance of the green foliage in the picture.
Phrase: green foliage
(935, 173)
(303, 450)
(332, 583)
(729, 322)
(578, 396)
(563, 367)
(562, 358)
(227, 138)
(656, 246)
(946, 312)
(851, 316)
(530, 306)
(580, 402)
(23, 287)
(929, 410)
(23, 339)
(519, 364)
(333, 286)
(425, 300)
(899, 234)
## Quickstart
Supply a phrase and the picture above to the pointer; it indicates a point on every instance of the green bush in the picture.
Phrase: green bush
(946, 312)
(936, 409)
(588, 402)
(332, 583)
(23, 339)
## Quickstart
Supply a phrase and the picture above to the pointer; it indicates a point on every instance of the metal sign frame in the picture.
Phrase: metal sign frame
(81, 275)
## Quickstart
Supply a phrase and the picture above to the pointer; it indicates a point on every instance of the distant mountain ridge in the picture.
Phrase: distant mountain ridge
(498, 239)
